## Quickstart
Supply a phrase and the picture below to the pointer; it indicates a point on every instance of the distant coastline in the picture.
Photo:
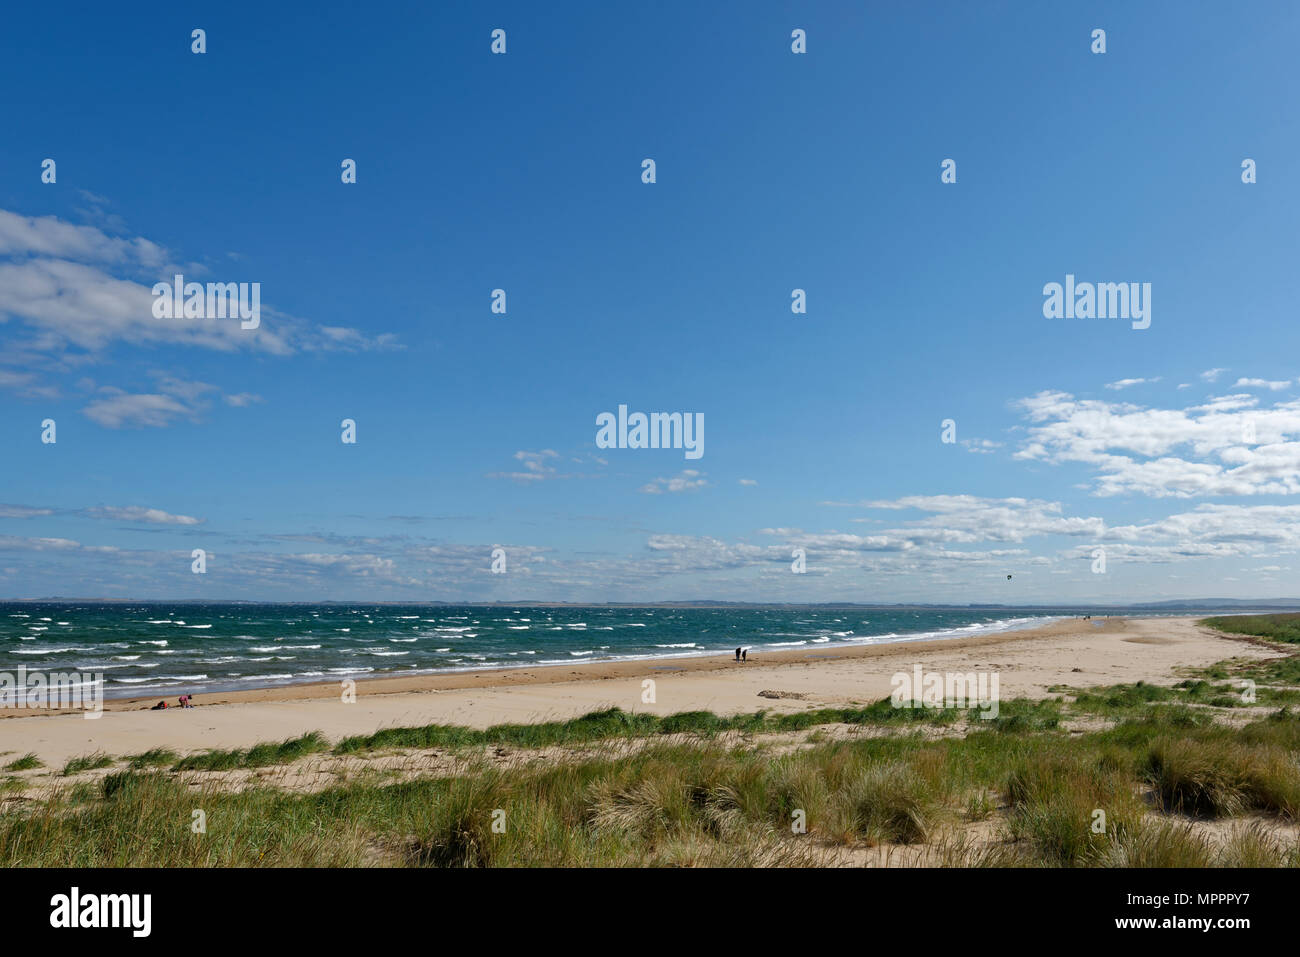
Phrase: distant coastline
(1198, 603)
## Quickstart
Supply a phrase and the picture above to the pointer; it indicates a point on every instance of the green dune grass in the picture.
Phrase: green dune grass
(1119, 776)
(1280, 627)
(702, 801)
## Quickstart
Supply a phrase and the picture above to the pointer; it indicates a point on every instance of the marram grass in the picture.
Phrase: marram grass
(703, 802)
(835, 785)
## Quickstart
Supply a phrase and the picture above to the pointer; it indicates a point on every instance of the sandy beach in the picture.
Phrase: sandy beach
(1073, 652)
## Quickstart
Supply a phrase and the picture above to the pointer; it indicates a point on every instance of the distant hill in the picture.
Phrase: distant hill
(1221, 603)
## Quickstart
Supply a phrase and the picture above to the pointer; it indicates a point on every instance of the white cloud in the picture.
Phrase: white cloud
(15, 543)
(76, 286)
(686, 481)
(1275, 386)
(1225, 446)
(536, 465)
(135, 513)
(24, 511)
(118, 409)
(175, 399)
(48, 236)
(241, 399)
(969, 519)
(1127, 383)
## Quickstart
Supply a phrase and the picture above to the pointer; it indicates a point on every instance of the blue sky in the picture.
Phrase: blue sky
(775, 171)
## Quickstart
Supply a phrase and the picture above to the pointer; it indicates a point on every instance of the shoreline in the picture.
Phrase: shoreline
(137, 690)
(766, 652)
(1029, 663)
(555, 673)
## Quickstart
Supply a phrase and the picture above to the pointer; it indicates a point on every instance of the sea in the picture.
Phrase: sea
(172, 648)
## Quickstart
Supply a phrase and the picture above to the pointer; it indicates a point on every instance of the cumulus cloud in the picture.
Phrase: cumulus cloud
(50, 237)
(1228, 445)
(970, 519)
(945, 525)
(67, 287)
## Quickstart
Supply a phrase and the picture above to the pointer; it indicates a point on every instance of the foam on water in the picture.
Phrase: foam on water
(216, 647)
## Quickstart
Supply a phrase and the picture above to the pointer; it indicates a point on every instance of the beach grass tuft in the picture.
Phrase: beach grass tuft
(259, 755)
(153, 758)
(27, 762)
(87, 762)
(1222, 777)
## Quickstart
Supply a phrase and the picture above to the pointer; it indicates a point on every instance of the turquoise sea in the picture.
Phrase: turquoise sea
(156, 647)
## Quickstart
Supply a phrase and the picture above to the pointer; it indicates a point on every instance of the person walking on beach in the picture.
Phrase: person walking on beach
(737, 654)
(744, 654)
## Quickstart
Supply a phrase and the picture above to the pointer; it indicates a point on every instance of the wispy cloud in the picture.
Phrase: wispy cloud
(687, 480)
(1273, 385)
(540, 466)
(176, 398)
(117, 409)
(135, 513)
(1129, 383)
(24, 511)
(537, 466)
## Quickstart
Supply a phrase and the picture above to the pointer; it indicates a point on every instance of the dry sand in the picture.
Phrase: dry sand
(1073, 652)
